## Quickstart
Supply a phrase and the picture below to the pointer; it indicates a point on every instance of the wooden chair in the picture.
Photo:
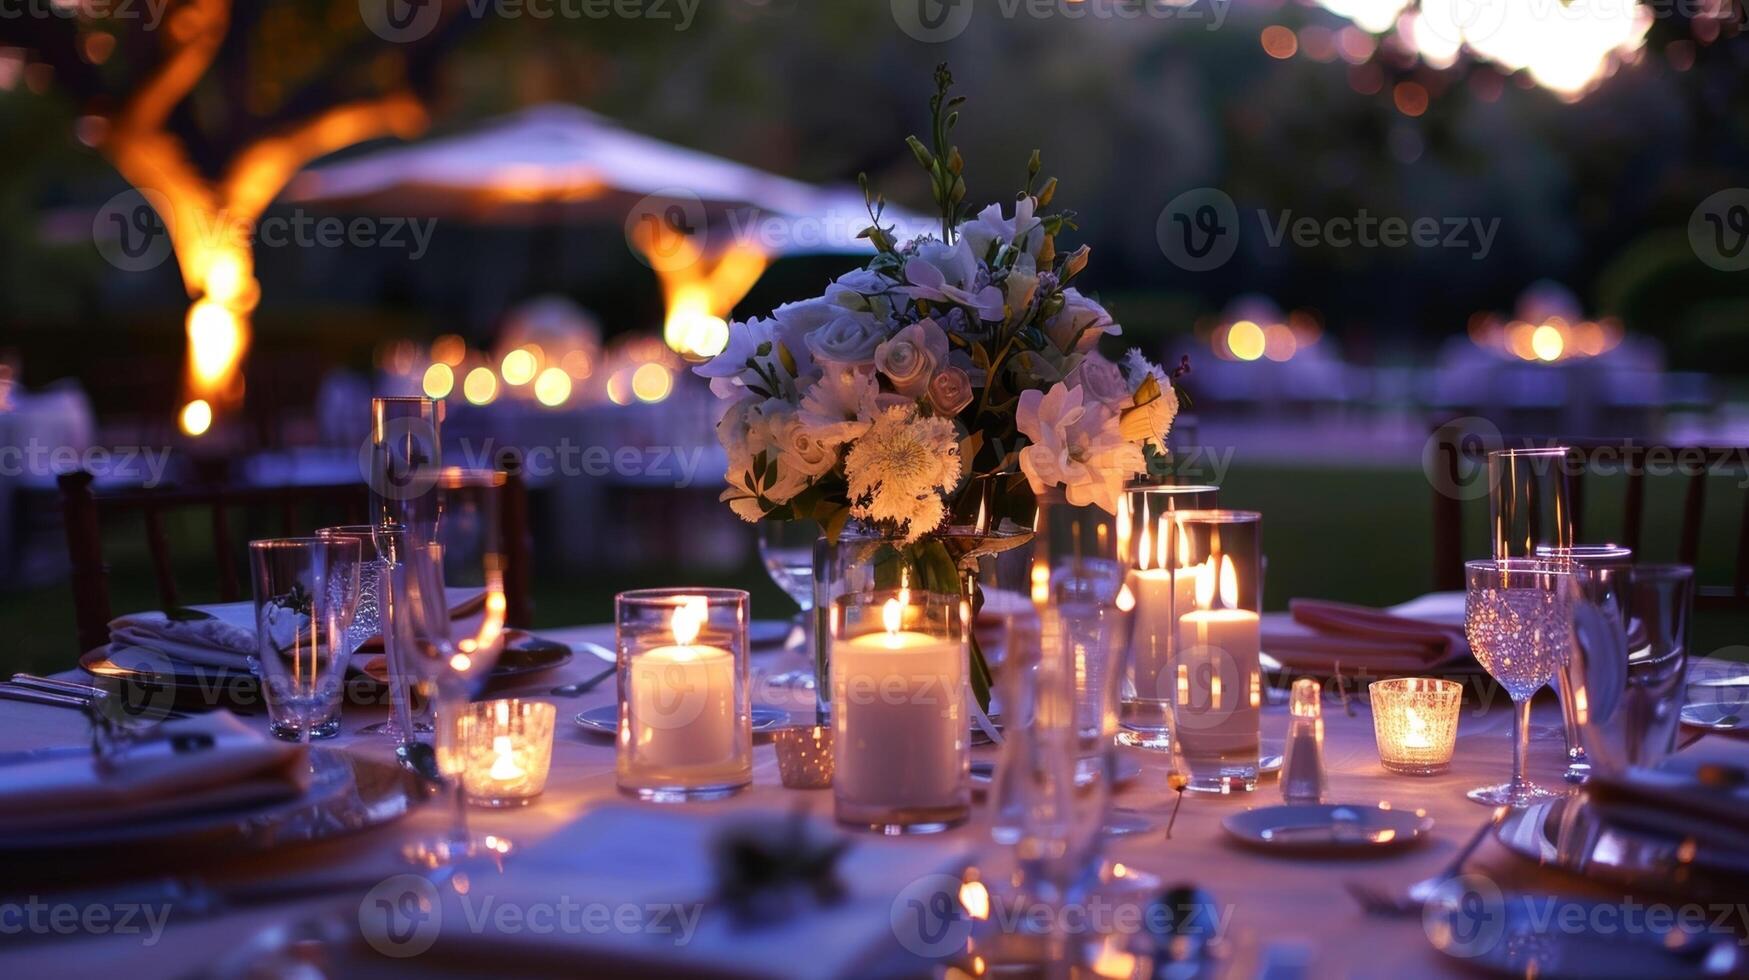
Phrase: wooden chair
(85, 511)
(1630, 461)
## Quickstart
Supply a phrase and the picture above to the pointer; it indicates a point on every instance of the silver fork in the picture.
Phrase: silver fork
(1377, 901)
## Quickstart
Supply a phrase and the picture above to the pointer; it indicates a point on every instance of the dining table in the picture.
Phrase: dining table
(1292, 914)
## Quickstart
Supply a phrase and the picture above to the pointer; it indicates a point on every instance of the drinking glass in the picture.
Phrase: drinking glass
(1631, 668)
(1530, 503)
(405, 464)
(306, 591)
(451, 660)
(1599, 573)
(787, 549)
(378, 547)
(1517, 617)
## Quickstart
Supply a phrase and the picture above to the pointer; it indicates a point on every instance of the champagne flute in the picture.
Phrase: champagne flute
(787, 550)
(305, 594)
(1517, 617)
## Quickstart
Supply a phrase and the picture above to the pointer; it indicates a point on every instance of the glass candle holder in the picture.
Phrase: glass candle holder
(804, 756)
(685, 713)
(1415, 721)
(1216, 671)
(901, 745)
(1161, 587)
(504, 749)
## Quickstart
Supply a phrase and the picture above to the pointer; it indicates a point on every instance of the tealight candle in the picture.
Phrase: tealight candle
(684, 724)
(900, 735)
(1415, 722)
(505, 748)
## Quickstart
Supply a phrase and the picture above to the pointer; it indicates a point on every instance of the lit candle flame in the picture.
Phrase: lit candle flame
(688, 619)
(1041, 582)
(893, 616)
(1126, 600)
(1229, 585)
(1416, 737)
(504, 767)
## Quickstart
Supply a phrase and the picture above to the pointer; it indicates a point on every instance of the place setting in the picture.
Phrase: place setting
(1070, 491)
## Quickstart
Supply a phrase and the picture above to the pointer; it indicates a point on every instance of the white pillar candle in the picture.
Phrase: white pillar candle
(1162, 595)
(682, 702)
(1219, 675)
(899, 714)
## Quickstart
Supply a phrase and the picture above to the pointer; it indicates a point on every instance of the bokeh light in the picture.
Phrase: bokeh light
(439, 380)
(480, 386)
(553, 387)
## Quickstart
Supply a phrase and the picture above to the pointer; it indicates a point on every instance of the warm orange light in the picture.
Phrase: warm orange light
(553, 387)
(1245, 339)
(449, 349)
(196, 417)
(215, 345)
(1279, 42)
(651, 383)
(1547, 342)
(518, 367)
(480, 386)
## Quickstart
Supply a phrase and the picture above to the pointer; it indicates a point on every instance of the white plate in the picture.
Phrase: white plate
(605, 719)
(1332, 829)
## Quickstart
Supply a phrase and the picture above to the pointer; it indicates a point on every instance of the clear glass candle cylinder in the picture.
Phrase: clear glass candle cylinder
(685, 713)
(1217, 676)
(1160, 589)
(901, 744)
(503, 750)
(1415, 721)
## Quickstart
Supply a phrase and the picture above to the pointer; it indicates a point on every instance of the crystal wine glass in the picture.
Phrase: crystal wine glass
(451, 659)
(787, 549)
(1517, 618)
(306, 592)
(378, 547)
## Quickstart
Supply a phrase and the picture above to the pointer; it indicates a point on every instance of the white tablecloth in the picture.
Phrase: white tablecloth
(1267, 900)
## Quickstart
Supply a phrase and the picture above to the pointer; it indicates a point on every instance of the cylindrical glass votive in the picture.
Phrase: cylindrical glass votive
(1415, 720)
(505, 748)
(901, 746)
(685, 713)
(1162, 586)
(1216, 671)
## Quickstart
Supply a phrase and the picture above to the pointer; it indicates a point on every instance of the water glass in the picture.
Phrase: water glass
(1529, 500)
(1631, 670)
(306, 593)
(405, 463)
(378, 547)
(1517, 616)
(1599, 572)
(787, 549)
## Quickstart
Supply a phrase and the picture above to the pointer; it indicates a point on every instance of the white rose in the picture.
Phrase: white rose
(1079, 324)
(912, 356)
(848, 338)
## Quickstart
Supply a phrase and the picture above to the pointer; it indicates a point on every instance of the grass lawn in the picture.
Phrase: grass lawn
(1360, 535)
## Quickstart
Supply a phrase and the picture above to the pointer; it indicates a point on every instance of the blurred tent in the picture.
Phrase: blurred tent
(706, 225)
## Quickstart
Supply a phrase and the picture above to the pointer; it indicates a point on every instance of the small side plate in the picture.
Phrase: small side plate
(605, 719)
(1327, 829)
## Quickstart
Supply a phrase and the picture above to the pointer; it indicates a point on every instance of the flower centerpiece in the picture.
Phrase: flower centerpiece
(950, 376)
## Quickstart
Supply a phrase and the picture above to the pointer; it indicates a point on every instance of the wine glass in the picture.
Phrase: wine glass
(305, 594)
(378, 547)
(787, 549)
(1517, 615)
(451, 659)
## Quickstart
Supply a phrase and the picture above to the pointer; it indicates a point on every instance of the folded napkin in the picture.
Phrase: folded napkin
(641, 892)
(1702, 801)
(222, 635)
(1317, 634)
(236, 766)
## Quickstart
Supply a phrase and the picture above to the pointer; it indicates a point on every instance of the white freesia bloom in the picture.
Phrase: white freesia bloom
(900, 468)
(1024, 230)
(1080, 323)
(735, 364)
(1022, 283)
(949, 274)
(911, 356)
(1075, 445)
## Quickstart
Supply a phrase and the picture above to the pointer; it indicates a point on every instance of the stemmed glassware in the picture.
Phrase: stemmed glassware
(451, 660)
(1517, 615)
(787, 550)
(378, 548)
(306, 592)
(1530, 504)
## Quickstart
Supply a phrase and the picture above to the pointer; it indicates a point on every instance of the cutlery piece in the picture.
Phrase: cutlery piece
(1377, 901)
(18, 691)
(585, 685)
(55, 685)
(597, 651)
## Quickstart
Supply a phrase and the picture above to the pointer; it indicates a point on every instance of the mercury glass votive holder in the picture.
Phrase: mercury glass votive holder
(685, 705)
(804, 756)
(505, 748)
(901, 740)
(1415, 721)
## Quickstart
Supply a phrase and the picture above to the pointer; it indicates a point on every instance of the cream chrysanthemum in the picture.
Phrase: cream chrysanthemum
(899, 469)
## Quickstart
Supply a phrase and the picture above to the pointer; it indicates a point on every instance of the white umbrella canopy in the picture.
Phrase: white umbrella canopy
(555, 163)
